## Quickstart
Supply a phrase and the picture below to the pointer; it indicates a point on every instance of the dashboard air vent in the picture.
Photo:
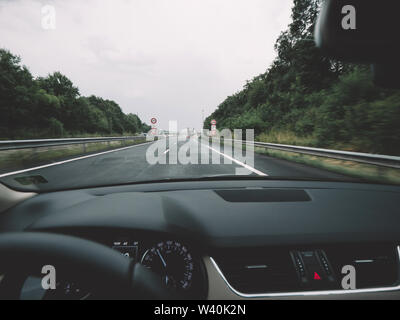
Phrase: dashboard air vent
(375, 266)
(260, 273)
(273, 270)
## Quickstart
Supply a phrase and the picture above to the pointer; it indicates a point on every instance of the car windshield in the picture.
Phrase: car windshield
(97, 93)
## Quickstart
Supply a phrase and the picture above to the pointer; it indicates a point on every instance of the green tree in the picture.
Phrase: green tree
(59, 85)
(331, 103)
(52, 106)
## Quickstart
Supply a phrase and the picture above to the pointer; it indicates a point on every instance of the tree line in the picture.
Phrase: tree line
(306, 98)
(48, 107)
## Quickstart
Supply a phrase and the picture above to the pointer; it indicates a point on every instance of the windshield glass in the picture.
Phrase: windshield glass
(96, 93)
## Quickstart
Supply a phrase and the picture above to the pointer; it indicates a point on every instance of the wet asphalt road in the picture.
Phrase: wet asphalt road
(132, 165)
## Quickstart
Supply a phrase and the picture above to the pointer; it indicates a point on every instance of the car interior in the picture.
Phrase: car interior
(226, 240)
(216, 237)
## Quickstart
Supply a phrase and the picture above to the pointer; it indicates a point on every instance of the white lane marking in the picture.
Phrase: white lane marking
(238, 162)
(71, 160)
(168, 150)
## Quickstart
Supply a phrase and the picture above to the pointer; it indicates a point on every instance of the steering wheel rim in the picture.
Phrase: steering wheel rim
(90, 264)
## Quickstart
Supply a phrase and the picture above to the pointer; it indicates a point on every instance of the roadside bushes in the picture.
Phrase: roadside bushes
(306, 98)
(52, 106)
(358, 114)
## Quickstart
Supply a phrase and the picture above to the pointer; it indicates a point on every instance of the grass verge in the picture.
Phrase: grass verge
(349, 168)
(13, 160)
(287, 137)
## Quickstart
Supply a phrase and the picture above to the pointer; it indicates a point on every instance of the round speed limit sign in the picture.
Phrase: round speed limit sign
(153, 120)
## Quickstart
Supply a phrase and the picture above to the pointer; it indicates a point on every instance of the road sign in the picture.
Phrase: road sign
(153, 120)
(213, 122)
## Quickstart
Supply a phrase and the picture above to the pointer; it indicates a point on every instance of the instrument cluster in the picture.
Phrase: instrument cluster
(171, 260)
(178, 269)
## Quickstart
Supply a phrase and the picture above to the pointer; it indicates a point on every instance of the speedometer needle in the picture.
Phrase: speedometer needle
(162, 259)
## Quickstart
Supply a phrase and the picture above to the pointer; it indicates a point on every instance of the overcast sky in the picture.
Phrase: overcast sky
(167, 59)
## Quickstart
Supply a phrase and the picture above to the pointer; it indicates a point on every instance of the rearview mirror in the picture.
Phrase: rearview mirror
(365, 31)
(359, 30)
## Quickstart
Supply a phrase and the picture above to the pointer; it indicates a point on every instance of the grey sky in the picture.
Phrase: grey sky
(164, 58)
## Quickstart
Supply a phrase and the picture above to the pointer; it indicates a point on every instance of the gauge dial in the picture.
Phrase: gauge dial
(173, 262)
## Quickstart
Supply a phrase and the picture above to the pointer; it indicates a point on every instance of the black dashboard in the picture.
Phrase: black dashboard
(262, 238)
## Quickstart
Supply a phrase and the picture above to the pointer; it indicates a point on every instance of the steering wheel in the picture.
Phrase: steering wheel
(92, 265)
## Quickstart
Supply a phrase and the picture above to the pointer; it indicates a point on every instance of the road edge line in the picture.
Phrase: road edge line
(254, 170)
(71, 160)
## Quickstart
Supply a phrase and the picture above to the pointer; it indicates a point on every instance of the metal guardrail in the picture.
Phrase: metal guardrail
(372, 159)
(367, 158)
(42, 143)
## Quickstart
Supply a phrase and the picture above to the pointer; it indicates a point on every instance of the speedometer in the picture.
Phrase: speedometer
(173, 262)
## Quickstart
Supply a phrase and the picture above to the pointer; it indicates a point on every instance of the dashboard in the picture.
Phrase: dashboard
(232, 239)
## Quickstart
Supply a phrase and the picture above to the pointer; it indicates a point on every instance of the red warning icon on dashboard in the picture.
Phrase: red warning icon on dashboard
(316, 276)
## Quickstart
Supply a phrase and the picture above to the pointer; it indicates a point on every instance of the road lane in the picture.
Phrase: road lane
(244, 165)
(4, 172)
(131, 165)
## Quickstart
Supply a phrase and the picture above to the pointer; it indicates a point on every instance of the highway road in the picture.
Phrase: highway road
(131, 165)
